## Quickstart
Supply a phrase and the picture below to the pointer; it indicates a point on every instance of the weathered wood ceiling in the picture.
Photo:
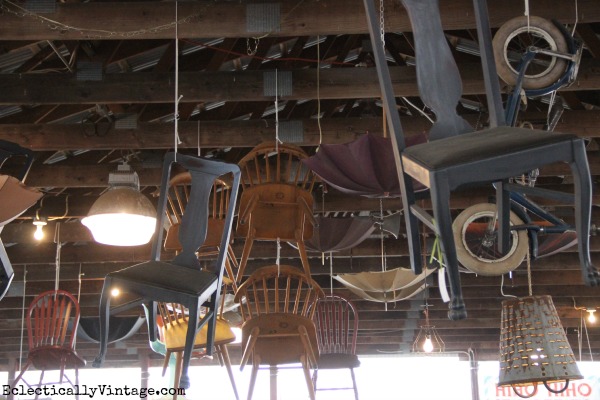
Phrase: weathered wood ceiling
(72, 123)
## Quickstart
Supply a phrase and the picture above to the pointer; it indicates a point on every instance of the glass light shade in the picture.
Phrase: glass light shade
(121, 217)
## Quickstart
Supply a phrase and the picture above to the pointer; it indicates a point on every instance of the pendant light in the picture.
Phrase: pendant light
(122, 216)
(534, 347)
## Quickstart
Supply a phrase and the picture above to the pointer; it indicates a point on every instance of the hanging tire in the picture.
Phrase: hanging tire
(511, 41)
(478, 251)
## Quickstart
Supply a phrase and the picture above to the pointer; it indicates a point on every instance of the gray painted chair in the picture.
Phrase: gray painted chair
(180, 280)
(457, 156)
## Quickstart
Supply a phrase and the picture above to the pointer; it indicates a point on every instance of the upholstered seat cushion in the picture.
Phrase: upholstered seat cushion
(483, 145)
(174, 334)
(164, 275)
(338, 360)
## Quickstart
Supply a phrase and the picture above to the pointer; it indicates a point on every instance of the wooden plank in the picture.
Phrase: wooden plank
(207, 86)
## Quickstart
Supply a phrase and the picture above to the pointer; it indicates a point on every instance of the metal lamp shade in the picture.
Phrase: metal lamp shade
(533, 345)
(121, 217)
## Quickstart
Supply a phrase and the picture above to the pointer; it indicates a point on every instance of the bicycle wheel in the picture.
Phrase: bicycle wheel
(511, 42)
(477, 244)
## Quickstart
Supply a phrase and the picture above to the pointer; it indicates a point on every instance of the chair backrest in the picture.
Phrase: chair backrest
(278, 289)
(52, 320)
(178, 197)
(194, 221)
(438, 78)
(281, 163)
(277, 185)
(336, 321)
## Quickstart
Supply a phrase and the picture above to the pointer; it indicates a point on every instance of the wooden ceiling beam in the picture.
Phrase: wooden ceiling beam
(154, 87)
(139, 20)
(59, 176)
(223, 133)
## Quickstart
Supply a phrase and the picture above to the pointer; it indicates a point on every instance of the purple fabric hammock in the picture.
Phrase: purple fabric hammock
(364, 167)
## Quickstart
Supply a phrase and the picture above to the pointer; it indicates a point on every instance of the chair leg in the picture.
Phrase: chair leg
(104, 314)
(440, 198)
(77, 382)
(231, 266)
(37, 395)
(245, 254)
(166, 362)
(412, 225)
(302, 251)
(583, 204)
(255, 365)
(354, 384)
(177, 378)
(307, 377)
(273, 382)
(18, 378)
(249, 346)
(224, 354)
(190, 337)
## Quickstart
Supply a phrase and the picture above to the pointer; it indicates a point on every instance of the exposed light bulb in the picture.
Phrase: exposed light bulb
(115, 292)
(39, 232)
(39, 227)
(591, 317)
(428, 344)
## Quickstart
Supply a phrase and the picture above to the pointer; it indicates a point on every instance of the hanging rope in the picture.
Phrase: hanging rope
(198, 138)
(57, 257)
(331, 273)
(576, 18)
(79, 283)
(23, 316)
(277, 140)
(177, 140)
(319, 92)
(527, 13)
(277, 260)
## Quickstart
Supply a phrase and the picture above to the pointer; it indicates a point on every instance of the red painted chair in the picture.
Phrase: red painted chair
(336, 321)
(52, 321)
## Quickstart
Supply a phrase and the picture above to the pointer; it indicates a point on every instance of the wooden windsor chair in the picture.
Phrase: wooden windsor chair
(276, 202)
(276, 303)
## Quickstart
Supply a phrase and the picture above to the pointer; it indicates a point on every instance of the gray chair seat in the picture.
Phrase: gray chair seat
(483, 146)
(178, 278)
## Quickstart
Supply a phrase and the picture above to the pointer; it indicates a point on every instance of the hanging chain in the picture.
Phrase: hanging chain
(382, 23)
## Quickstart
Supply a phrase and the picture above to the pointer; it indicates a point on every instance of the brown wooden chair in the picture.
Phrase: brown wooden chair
(276, 202)
(336, 320)
(178, 197)
(276, 303)
(52, 320)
